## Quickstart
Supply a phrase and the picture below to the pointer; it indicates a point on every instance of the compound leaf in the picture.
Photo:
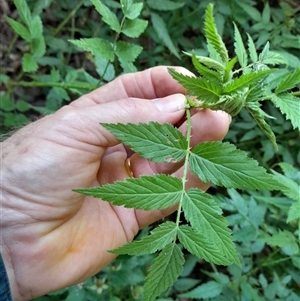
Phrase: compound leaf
(200, 87)
(154, 141)
(97, 46)
(134, 28)
(288, 105)
(167, 266)
(197, 244)
(128, 52)
(289, 82)
(239, 47)
(19, 29)
(164, 5)
(160, 27)
(225, 165)
(212, 35)
(157, 240)
(204, 214)
(107, 15)
(146, 192)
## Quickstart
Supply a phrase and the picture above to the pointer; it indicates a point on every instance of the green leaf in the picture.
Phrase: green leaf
(288, 105)
(289, 82)
(264, 54)
(197, 244)
(23, 11)
(204, 71)
(96, 46)
(274, 58)
(38, 47)
(208, 290)
(199, 87)
(239, 47)
(134, 28)
(19, 29)
(146, 192)
(157, 240)
(212, 35)
(160, 27)
(154, 141)
(294, 211)
(245, 80)
(259, 116)
(208, 62)
(204, 214)
(131, 10)
(164, 5)
(225, 165)
(107, 15)
(266, 14)
(36, 28)
(28, 63)
(128, 51)
(252, 49)
(167, 266)
(289, 187)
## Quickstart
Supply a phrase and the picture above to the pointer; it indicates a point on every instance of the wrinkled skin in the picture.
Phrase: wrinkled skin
(53, 237)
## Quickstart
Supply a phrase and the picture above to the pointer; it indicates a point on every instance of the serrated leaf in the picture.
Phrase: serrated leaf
(288, 105)
(274, 58)
(166, 268)
(245, 80)
(128, 51)
(131, 10)
(164, 5)
(294, 211)
(239, 47)
(204, 71)
(208, 62)
(225, 165)
(38, 47)
(161, 29)
(289, 82)
(160, 237)
(207, 290)
(258, 116)
(97, 46)
(252, 49)
(228, 69)
(107, 15)
(146, 192)
(199, 87)
(36, 28)
(264, 53)
(289, 187)
(19, 29)
(212, 35)
(197, 244)
(266, 14)
(23, 11)
(28, 63)
(204, 214)
(134, 28)
(154, 141)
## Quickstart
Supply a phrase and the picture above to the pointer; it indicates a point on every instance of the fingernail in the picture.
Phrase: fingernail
(170, 104)
(222, 113)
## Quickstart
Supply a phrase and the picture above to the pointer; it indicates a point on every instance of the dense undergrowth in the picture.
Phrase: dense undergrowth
(41, 70)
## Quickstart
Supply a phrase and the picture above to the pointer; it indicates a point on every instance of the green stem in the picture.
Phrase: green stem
(186, 164)
(52, 84)
(66, 20)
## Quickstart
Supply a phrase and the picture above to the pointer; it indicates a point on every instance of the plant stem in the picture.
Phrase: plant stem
(186, 164)
(53, 84)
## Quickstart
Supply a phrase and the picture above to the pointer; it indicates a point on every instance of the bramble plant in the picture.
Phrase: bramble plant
(220, 86)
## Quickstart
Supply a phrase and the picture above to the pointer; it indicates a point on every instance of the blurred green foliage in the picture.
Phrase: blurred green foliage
(50, 72)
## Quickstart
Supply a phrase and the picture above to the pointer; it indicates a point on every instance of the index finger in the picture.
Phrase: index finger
(151, 83)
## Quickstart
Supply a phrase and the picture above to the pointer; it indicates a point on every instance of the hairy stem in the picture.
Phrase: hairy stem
(186, 164)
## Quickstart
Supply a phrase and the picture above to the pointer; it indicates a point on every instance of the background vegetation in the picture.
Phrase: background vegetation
(41, 70)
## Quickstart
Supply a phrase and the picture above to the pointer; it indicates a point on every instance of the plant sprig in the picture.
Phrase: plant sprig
(219, 87)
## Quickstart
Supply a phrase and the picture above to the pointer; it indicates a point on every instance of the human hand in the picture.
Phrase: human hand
(53, 237)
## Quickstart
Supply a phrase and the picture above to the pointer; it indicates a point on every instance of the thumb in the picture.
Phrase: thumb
(130, 110)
